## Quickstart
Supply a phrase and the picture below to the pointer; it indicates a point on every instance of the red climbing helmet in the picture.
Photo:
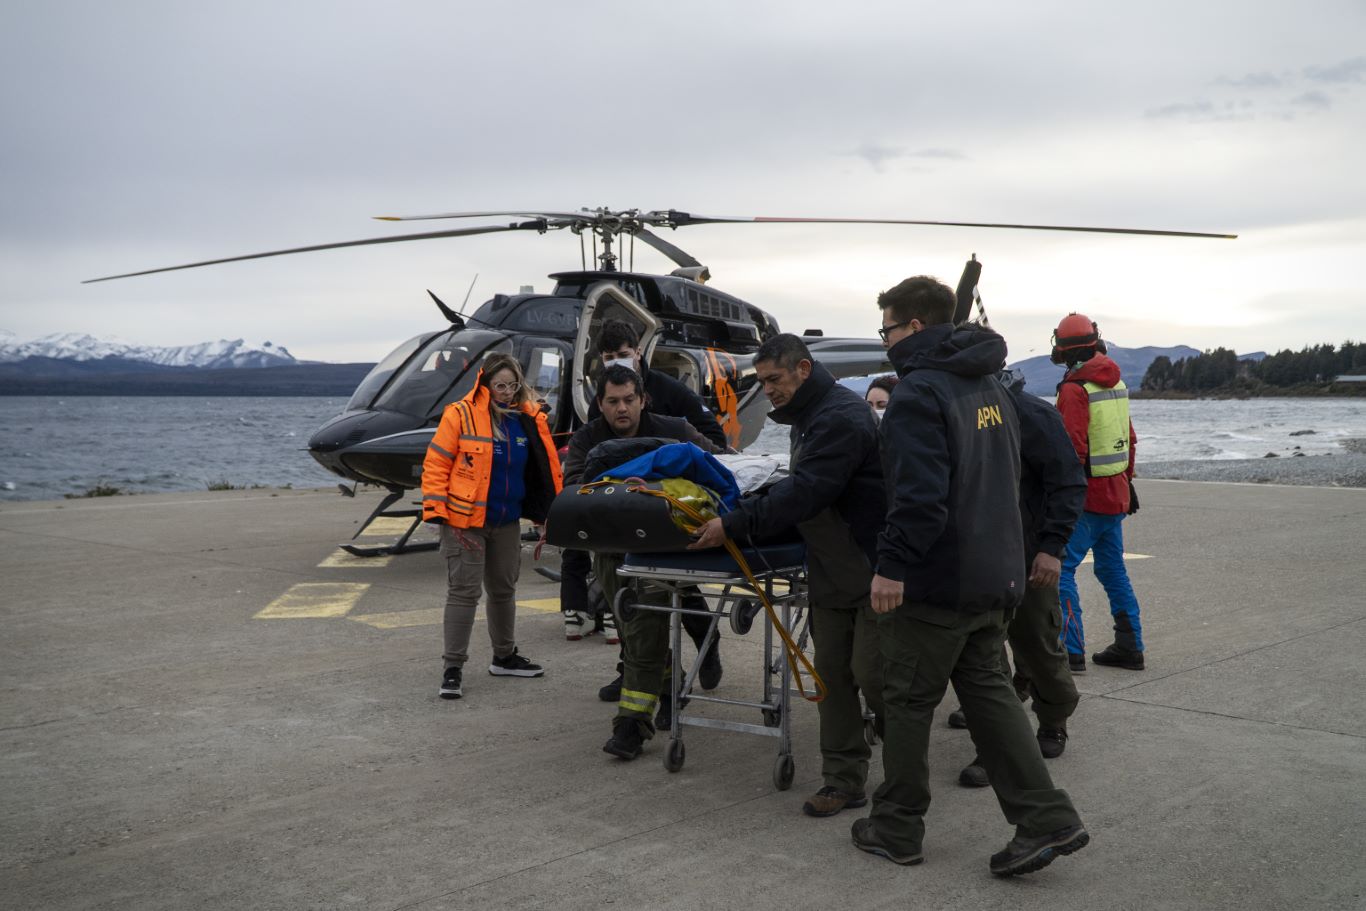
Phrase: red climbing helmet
(1075, 331)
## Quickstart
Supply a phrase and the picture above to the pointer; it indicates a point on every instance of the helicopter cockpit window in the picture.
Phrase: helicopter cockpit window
(442, 371)
(380, 373)
(544, 374)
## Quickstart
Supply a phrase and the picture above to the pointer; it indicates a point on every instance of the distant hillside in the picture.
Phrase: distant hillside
(119, 376)
(1042, 376)
(75, 346)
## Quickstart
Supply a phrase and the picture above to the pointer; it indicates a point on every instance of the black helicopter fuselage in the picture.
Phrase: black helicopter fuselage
(704, 335)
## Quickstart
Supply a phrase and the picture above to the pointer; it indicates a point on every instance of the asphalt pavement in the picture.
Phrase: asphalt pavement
(204, 704)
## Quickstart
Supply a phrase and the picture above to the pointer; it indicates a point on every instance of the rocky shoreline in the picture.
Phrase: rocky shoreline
(1346, 468)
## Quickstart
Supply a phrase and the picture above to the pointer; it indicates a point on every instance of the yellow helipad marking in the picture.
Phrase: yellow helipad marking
(401, 619)
(387, 525)
(340, 559)
(314, 600)
(545, 605)
(1090, 559)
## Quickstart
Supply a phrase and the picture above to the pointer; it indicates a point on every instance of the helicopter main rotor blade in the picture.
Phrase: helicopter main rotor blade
(682, 257)
(537, 225)
(576, 216)
(679, 219)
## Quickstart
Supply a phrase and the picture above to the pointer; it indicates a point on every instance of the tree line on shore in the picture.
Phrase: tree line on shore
(1311, 369)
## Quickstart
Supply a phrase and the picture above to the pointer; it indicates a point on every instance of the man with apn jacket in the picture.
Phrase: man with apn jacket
(834, 495)
(950, 570)
(1094, 404)
(1052, 491)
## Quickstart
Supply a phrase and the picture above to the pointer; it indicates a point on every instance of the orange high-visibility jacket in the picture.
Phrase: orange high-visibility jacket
(459, 462)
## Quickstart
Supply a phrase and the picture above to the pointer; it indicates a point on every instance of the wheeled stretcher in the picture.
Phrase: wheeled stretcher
(779, 572)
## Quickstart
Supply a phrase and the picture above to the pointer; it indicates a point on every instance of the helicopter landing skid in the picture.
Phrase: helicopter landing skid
(401, 546)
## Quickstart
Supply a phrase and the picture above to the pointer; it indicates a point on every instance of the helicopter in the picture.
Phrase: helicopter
(688, 329)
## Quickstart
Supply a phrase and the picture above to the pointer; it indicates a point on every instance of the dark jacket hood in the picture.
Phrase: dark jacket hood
(815, 387)
(963, 350)
(1100, 370)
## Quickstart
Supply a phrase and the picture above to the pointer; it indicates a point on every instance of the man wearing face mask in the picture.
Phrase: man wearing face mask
(619, 345)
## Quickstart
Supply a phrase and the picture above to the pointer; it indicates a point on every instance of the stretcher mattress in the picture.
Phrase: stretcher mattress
(761, 559)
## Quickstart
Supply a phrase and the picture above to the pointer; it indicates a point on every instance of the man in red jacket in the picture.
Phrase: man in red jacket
(1095, 408)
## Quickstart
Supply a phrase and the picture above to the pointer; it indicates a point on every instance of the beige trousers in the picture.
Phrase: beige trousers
(480, 558)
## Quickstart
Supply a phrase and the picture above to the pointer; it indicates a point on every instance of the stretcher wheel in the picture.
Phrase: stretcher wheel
(783, 772)
(773, 717)
(674, 756)
(742, 616)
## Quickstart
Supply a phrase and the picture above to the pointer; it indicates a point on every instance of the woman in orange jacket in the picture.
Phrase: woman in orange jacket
(491, 464)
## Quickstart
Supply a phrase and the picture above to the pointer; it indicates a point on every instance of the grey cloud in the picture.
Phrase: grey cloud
(1262, 80)
(1193, 109)
(945, 154)
(878, 155)
(1344, 73)
(1314, 100)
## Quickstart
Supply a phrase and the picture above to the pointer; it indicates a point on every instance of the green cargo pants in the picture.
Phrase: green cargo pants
(646, 665)
(1035, 637)
(924, 648)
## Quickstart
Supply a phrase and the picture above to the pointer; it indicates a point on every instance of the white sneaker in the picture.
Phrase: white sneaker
(578, 625)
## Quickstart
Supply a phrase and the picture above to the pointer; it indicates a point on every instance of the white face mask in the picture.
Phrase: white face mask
(619, 362)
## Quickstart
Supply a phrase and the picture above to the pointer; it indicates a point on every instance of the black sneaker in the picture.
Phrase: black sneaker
(664, 717)
(973, 774)
(1052, 741)
(626, 741)
(612, 691)
(957, 719)
(1025, 855)
(450, 684)
(709, 674)
(1119, 656)
(866, 839)
(514, 665)
(1076, 663)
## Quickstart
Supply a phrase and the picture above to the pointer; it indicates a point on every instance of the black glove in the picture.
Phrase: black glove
(1133, 498)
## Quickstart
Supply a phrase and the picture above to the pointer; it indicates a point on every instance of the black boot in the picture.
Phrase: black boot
(626, 741)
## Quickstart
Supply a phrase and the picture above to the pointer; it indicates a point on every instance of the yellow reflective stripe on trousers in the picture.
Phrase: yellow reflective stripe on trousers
(634, 701)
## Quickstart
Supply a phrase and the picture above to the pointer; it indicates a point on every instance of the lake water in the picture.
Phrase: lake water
(51, 446)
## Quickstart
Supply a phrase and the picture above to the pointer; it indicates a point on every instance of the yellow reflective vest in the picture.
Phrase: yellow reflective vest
(1108, 429)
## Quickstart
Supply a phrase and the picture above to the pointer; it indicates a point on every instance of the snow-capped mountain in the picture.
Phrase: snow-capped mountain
(74, 346)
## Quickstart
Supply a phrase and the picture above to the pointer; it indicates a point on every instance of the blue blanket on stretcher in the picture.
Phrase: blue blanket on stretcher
(681, 460)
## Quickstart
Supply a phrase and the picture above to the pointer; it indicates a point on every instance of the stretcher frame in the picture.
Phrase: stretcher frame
(784, 586)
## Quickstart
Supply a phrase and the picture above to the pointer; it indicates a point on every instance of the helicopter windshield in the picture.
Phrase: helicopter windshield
(439, 373)
(379, 374)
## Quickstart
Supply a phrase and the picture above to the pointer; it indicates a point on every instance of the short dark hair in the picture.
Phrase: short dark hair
(617, 334)
(785, 349)
(921, 297)
(619, 375)
(887, 382)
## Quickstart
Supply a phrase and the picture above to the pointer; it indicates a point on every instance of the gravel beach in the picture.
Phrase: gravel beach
(1345, 468)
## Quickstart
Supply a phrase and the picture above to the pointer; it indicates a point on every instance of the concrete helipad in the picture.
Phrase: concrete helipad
(202, 704)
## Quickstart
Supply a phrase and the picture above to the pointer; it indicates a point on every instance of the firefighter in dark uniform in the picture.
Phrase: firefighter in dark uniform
(950, 571)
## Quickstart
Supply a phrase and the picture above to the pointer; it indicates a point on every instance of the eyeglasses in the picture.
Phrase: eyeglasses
(506, 387)
(886, 330)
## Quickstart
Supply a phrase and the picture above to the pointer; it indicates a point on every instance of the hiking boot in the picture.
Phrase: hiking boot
(709, 674)
(578, 625)
(1025, 855)
(973, 774)
(514, 665)
(958, 720)
(1076, 663)
(1052, 741)
(626, 741)
(865, 838)
(612, 691)
(1118, 656)
(450, 684)
(829, 800)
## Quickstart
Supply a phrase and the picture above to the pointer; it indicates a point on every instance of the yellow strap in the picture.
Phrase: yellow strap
(792, 650)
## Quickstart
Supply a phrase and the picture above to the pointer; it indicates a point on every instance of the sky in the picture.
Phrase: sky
(143, 134)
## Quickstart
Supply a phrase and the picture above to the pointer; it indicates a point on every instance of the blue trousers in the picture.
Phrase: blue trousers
(1104, 537)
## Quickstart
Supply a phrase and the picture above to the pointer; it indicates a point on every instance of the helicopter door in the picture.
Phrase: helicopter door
(606, 301)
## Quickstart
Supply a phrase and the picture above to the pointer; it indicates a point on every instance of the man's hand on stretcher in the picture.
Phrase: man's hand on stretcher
(708, 535)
